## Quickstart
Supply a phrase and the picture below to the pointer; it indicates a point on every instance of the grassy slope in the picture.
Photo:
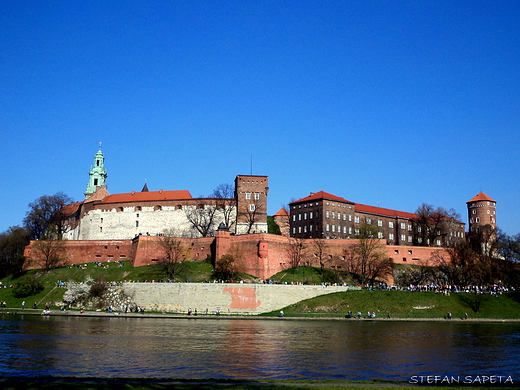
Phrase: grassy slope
(397, 303)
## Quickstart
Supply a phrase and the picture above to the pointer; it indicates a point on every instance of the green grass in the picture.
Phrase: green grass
(400, 304)
(309, 275)
(404, 304)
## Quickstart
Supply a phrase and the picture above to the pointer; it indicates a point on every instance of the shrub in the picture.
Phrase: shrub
(27, 288)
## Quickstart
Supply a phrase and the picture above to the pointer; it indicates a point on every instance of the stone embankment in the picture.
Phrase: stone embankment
(234, 298)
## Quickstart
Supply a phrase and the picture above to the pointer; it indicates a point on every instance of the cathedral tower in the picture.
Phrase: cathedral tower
(481, 212)
(97, 174)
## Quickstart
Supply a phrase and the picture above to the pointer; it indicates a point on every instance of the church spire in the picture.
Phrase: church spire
(97, 174)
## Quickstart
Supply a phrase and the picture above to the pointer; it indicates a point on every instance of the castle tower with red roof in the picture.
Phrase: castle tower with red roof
(481, 212)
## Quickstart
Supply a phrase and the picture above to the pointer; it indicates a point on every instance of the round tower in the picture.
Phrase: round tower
(481, 212)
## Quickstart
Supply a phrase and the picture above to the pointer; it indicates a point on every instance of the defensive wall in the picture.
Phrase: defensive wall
(261, 255)
(233, 298)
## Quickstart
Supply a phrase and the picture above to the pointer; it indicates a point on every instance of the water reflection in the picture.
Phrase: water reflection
(254, 349)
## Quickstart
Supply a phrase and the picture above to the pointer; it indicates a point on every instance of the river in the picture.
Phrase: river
(202, 348)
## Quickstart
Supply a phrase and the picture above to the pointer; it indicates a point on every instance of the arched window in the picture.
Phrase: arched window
(157, 208)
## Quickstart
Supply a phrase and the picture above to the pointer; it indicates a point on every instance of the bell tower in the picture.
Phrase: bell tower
(97, 174)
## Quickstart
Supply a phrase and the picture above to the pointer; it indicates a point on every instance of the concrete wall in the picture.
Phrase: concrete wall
(236, 298)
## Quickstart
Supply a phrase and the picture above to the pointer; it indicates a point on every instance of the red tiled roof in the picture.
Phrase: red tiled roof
(322, 195)
(71, 208)
(386, 212)
(148, 196)
(480, 196)
(282, 213)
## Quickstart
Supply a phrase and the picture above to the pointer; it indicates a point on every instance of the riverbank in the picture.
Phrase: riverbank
(74, 313)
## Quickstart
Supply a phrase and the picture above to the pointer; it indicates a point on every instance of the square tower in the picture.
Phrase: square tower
(251, 196)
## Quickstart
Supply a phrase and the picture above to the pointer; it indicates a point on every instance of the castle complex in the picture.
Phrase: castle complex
(102, 216)
(106, 227)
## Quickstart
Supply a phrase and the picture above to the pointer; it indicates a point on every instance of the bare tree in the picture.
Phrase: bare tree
(367, 259)
(319, 246)
(255, 210)
(175, 251)
(48, 254)
(435, 223)
(202, 218)
(228, 265)
(45, 217)
(296, 251)
(226, 203)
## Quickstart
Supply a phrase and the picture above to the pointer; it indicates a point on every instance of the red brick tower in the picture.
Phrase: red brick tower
(251, 195)
(481, 212)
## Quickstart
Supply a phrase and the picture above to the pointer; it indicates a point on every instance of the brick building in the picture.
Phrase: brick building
(327, 216)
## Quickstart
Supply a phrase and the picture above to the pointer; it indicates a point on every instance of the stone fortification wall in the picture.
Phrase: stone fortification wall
(234, 298)
(127, 221)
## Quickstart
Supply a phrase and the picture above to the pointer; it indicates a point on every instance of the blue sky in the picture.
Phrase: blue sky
(386, 103)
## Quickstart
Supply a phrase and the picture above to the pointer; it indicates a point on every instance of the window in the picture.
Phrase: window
(327, 227)
(257, 196)
(136, 223)
(344, 216)
(409, 227)
(350, 217)
(356, 231)
(438, 242)
(299, 229)
(418, 229)
(327, 215)
(390, 225)
(369, 221)
(333, 215)
(356, 219)
(305, 216)
(293, 231)
(248, 195)
(333, 228)
(299, 217)
(477, 220)
(310, 228)
(419, 240)
(344, 230)
(403, 237)
(409, 238)
(391, 236)
(305, 229)
(349, 230)
(294, 217)
(310, 215)
(252, 207)
(380, 222)
(379, 234)
(403, 225)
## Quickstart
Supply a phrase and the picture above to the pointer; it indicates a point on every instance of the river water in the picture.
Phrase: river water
(202, 348)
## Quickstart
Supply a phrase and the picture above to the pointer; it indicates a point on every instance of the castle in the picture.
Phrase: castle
(102, 216)
(129, 226)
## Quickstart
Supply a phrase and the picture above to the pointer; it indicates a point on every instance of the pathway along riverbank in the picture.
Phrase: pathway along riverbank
(75, 313)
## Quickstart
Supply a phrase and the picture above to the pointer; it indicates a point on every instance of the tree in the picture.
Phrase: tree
(319, 246)
(228, 265)
(45, 217)
(175, 251)
(48, 253)
(296, 251)
(367, 259)
(12, 245)
(435, 223)
(254, 211)
(226, 203)
(202, 218)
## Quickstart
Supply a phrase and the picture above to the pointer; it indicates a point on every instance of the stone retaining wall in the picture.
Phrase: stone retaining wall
(234, 298)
